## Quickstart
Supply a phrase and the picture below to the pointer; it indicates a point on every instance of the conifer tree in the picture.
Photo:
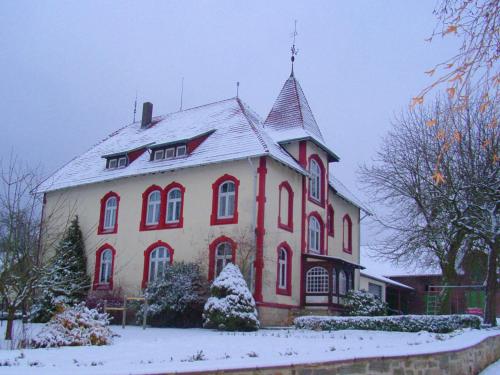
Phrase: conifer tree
(231, 306)
(65, 279)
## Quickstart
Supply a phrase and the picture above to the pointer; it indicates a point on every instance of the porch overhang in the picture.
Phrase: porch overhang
(331, 259)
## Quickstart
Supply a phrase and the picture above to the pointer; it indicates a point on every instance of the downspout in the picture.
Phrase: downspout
(253, 223)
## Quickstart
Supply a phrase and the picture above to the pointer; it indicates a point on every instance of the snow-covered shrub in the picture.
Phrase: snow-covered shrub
(362, 303)
(176, 299)
(231, 306)
(64, 280)
(401, 323)
(75, 326)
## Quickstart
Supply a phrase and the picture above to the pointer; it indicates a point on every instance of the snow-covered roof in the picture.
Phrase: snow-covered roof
(235, 132)
(372, 275)
(345, 193)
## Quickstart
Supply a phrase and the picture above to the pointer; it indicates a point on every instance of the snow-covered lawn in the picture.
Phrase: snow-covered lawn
(139, 351)
(493, 369)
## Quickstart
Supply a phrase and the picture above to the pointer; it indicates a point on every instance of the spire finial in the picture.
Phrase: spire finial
(294, 50)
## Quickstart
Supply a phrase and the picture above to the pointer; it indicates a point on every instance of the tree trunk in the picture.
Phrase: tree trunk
(491, 287)
(11, 313)
(449, 278)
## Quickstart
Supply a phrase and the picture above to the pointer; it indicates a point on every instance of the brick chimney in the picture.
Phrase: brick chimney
(147, 114)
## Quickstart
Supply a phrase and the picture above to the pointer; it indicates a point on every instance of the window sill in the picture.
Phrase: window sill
(103, 286)
(107, 231)
(283, 292)
(223, 221)
(320, 203)
(288, 228)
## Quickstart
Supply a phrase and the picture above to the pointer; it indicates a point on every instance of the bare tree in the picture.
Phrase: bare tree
(20, 258)
(428, 215)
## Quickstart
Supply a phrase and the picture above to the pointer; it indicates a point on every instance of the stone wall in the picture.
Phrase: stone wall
(466, 361)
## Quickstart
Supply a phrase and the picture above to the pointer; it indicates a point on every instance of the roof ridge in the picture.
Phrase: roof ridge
(252, 126)
(298, 100)
(200, 106)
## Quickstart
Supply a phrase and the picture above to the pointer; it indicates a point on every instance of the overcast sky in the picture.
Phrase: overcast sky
(70, 70)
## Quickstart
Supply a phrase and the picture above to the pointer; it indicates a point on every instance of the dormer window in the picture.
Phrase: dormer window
(117, 162)
(170, 152)
(122, 162)
(112, 163)
(181, 151)
(158, 155)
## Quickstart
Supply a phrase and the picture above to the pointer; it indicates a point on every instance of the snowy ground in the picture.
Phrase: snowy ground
(166, 350)
(493, 369)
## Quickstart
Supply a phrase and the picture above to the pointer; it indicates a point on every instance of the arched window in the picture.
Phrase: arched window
(347, 234)
(282, 263)
(314, 235)
(222, 251)
(285, 214)
(225, 200)
(106, 263)
(223, 256)
(174, 201)
(342, 283)
(330, 221)
(284, 269)
(108, 220)
(156, 258)
(334, 281)
(315, 180)
(317, 280)
(153, 210)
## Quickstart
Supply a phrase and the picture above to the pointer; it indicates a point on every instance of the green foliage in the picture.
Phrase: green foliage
(362, 303)
(65, 279)
(400, 323)
(176, 300)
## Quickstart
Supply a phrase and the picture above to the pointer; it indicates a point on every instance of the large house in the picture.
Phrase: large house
(216, 184)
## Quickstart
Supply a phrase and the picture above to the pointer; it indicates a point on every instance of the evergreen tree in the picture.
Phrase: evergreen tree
(65, 279)
(231, 306)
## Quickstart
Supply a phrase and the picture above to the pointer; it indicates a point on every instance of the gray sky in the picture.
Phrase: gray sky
(70, 69)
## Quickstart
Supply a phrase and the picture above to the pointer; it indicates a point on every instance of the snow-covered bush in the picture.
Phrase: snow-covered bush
(401, 323)
(362, 303)
(64, 280)
(75, 326)
(231, 306)
(176, 299)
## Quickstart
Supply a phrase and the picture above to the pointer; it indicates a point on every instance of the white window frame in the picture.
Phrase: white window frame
(174, 205)
(106, 265)
(155, 207)
(314, 231)
(342, 283)
(334, 281)
(315, 183)
(224, 198)
(317, 280)
(225, 256)
(110, 213)
(378, 293)
(157, 263)
(159, 155)
(282, 268)
(170, 153)
(122, 162)
(178, 153)
(113, 163)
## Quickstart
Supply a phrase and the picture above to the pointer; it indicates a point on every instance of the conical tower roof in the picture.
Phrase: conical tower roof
(291, 110)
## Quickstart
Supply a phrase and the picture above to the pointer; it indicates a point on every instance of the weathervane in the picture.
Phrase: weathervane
(294, 50)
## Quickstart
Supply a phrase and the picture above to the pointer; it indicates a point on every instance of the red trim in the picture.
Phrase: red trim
(289, 253)
(179, 223)
(214, 220)
(260, 230)
(97, 271)
(147, 253)
(330, 221)
(194, 143)
(277, 305)
(303, 163)
(145, 195)
(321, 202)
(321, 231)
(100, 228)
(135, 154)
(303, 154)
(348, 248)
(211, 254)
(289, 223)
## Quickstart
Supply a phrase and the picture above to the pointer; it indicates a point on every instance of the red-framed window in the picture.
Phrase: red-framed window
(222, 251)
(330, 221)
(104, 267)
(225, 200)
(284, 269)
(174, 196)
(347, 234)
(316, 191)
(153, 208)
(156, 258)
(108, 218)
(315, 234)
(285, 213)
